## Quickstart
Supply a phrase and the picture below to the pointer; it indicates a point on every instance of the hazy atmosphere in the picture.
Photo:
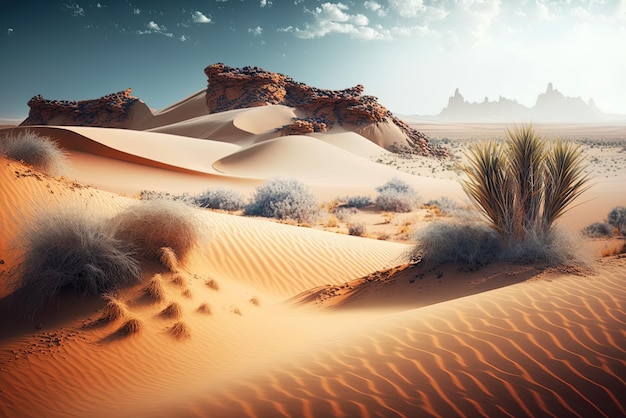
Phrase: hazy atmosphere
(410, 54)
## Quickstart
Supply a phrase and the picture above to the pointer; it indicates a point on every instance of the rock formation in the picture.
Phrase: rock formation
(109, 111)
(236, 88)
(551, 106)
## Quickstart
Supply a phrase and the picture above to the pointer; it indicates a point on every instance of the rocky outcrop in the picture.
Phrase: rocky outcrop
(111, 110)
(551, 106)
(236, 88)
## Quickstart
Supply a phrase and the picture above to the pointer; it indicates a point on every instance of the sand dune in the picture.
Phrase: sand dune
(268, 319)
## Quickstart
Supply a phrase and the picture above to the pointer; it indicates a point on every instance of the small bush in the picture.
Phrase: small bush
(154, 289)
(358, 201)
(67, 248)
(180, 331)
(154, 195)
(598, 229)
(42, 152)
(474, 244)
(356, 229)
(446, 205)
(172, 311)
(131, 327)
(220, 198)
(114, 310)
(151, 225)
(283, 199)
(396, 196)
(617, 218)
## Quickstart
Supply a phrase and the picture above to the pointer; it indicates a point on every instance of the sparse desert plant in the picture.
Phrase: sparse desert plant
(598, 229)
(220, 198)
(68, 248)
(358, 201)
(356, 229)
(204, 308)
(132, 326)
(180, 279)
(396, 196)
(168, 258)
(523, 186)
(445, 205)
(212, 283)
(283, 199)
(473, 244)
(151, 225)
(332, 221)
(154, 289)
(172, 311)
(617, 218)
(344, 214)
(41, 152)
(255, 301)
(180, 331)
(154, 195)
(114, 309)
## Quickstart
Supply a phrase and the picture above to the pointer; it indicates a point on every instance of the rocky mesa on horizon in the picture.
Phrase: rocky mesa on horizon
(551, 106)
(232, 88)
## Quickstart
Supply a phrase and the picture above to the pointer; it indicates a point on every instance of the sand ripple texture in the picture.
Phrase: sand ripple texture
(541, 348)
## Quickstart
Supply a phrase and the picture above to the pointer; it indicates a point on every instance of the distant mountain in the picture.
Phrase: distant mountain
(551, 106)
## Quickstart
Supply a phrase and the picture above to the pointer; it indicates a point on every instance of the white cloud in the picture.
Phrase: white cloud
(100, 5)
(152, 25)
(10, 31)
(258, 31)
(136, 11)
(407, 8)
(264, 3)
(75, 9)
(199, 17)
(335, 18)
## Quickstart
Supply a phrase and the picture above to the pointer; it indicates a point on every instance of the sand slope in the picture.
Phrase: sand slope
(377, 346)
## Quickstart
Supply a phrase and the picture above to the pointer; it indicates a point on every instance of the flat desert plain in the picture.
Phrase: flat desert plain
(275, 319)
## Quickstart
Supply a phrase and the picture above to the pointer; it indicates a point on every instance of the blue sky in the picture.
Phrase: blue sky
(411, 54)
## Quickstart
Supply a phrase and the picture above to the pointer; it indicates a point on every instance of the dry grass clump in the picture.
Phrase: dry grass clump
(67, 248)
(356, 229)
(114, 309)
(212, 283)
(255, 301)
(186, 293)
(42, 152)
(180, 279)
(154, 289)
(153, 224)
(131, 327)
(237, 311)
(180, 331)
(172, 311)
(168, 259)
(397, 196)
(205, 309)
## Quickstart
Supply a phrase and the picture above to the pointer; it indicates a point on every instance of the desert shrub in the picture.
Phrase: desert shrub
(396, 196)
(154, 195)
(446, 205)
(473, 244)
(358, 201)
(42, 152)
(67, 248)
(523, 186)
(344, 214)
(598, 229)
(356, 229)
(617, 218)
(153, 224)
(557, 247)
(283, 199)
(220, 198)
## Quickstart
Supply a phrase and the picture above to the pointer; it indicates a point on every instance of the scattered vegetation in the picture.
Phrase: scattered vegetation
(220, 198)
(212, 283)
(168, 259)
(445, 205)
(67, 248)
(204, 308)
(154, 195)
(151, 225)
(114, 309)
(154, 289)
(41, 152)
(180, 331)
(617, 219)
(283, 199)
(172, 311)
(598, 230)
(358, 201)
(132, 326)
(396, 196)
(356, 229)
